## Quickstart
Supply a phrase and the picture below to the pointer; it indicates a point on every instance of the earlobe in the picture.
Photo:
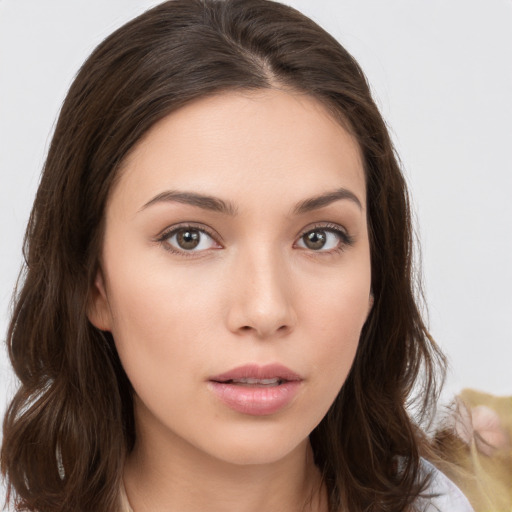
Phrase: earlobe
(98, 309)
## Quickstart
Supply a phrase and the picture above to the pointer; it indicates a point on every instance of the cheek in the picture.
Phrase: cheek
(337, 305)
(334, 317)
(159, 323)
(158, 334)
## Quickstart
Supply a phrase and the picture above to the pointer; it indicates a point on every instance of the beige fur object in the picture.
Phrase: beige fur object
(476, 448)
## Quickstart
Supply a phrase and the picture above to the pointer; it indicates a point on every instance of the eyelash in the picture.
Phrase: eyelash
(346, 240)
(168, 233)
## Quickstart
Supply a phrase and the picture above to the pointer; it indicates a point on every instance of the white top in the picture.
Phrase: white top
(449, 497)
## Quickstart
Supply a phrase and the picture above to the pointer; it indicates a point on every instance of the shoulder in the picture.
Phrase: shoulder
(442, 495)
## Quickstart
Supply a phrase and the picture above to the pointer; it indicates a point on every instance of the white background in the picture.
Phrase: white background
(442, 76)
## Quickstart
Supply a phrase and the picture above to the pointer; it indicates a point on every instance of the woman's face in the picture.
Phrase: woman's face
(235, 273)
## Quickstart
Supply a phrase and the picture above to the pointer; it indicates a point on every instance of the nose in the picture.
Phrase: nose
(262, 295)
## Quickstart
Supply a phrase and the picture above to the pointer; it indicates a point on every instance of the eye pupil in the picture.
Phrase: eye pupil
(188, 238)
(315, 239)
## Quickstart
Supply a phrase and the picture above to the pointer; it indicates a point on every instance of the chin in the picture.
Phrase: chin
(257, 446)
(251, 456)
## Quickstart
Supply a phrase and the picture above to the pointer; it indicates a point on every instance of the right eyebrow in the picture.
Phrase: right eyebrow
(211, 203)
(322, 200)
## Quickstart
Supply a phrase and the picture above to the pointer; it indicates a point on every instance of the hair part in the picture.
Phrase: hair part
(70, 426)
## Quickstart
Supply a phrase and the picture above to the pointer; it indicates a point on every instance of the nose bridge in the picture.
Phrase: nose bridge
(262, 301)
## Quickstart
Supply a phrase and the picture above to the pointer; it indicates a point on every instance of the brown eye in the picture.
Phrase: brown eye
(315, 240)
(326, 239)
(188, 238)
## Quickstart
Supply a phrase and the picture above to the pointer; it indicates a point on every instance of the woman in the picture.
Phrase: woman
(217, 311)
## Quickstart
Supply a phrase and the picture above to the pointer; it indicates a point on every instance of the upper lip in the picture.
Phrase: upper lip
(254, 371)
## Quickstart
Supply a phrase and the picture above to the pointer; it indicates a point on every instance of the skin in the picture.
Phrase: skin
(253, 292)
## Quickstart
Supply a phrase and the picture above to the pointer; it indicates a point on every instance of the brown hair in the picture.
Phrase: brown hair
(70, 425)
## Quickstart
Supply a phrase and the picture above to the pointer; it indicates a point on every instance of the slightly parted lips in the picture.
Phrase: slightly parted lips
(255, 375)
(256, 390)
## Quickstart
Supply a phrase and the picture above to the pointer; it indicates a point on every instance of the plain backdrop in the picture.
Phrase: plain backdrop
(441, 74)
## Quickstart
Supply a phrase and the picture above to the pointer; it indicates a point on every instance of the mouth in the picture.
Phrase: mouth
(254, 382)
(255, 375)
(256, 390)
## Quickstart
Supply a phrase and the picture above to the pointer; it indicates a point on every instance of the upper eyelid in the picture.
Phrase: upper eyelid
(343, 234)
(168, 231)
(209, 231)
(345, 237)
(324, 225)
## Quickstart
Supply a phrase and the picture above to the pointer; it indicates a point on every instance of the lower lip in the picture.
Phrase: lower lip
(255, 400)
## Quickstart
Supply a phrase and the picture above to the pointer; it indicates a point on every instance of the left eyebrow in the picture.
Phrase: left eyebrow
(317, 202)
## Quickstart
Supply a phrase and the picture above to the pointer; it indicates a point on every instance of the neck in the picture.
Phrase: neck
(165, 473)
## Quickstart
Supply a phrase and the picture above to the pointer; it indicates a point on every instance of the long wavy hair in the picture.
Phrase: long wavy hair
(70, 425)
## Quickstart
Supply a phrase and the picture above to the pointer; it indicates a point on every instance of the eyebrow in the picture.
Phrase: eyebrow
(317, 202)
(218, 205)
(211, 203)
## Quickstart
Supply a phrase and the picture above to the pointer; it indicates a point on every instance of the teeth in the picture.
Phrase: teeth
(259, 382)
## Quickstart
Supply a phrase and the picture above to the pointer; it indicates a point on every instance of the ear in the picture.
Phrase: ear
(98, 309)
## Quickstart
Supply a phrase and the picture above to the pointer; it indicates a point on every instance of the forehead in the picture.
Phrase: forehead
(269, 141)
